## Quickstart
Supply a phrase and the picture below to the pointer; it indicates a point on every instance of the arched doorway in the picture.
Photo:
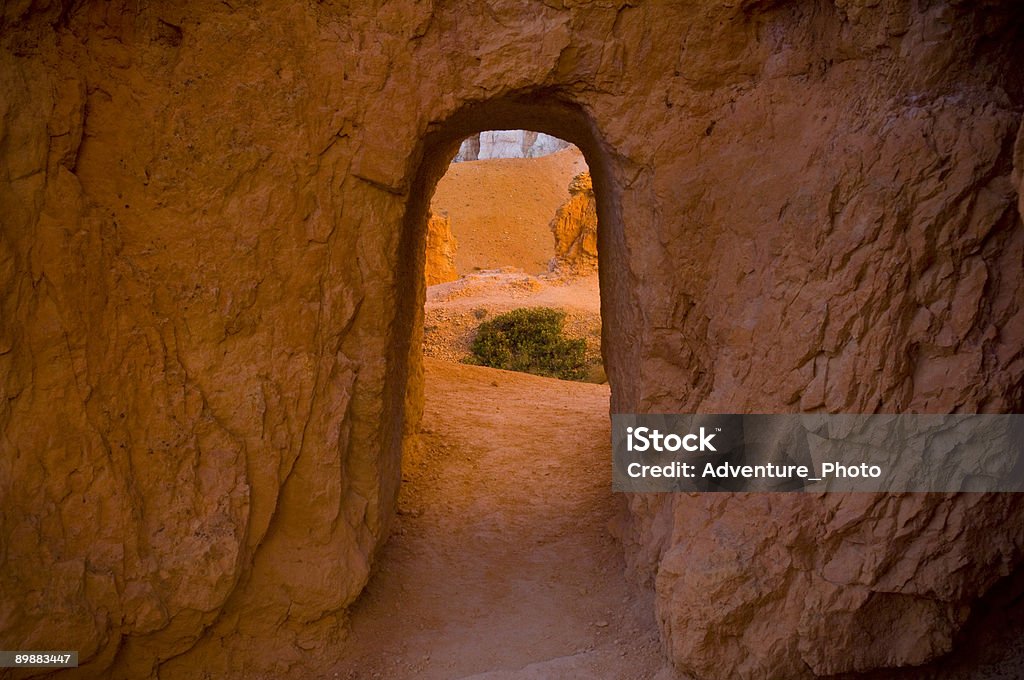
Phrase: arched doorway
(543, 112)
(534, 576)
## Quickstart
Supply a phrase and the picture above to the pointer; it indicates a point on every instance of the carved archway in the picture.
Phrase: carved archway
(543, 112)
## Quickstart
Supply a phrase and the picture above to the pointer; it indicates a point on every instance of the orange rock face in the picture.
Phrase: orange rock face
(439, 266)
(211, 288)
(575, 227)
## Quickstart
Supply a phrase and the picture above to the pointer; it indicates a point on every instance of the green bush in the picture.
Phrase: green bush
(530, 340)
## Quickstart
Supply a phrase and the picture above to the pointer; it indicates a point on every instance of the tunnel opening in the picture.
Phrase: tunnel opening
(544, 112)
(511, 259)
(500, 554)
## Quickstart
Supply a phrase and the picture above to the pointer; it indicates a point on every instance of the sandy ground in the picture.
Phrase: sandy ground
(501, 565)
(454, 310)
(500, 209)
(508, 287)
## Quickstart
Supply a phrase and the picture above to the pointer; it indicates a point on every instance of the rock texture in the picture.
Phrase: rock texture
(211, 286)
(1018, 169)
(825, 597)
(575, 228)
(439, 266)
(508, 144)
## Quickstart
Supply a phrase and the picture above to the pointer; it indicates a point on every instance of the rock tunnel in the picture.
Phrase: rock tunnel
(211, 281)
(543, 111)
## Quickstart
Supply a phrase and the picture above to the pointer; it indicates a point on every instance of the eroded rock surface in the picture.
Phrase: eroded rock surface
(575, 228)
(209, 291)
(439, 266)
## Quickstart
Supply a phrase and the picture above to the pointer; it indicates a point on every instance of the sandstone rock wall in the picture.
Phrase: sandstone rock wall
(575, 228)
(211, 285)
(439, 266)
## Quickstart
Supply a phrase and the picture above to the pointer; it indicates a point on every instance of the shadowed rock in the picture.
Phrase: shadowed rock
(211, 293)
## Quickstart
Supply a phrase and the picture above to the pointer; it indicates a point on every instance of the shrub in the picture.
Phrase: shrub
(530, 340)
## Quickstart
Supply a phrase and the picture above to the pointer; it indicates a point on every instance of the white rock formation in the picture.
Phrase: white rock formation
(508, 144)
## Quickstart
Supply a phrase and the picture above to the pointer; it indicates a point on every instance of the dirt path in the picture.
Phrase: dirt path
(501, 565)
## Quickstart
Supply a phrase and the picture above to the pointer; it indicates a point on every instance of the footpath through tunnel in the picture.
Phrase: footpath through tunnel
(502, 559)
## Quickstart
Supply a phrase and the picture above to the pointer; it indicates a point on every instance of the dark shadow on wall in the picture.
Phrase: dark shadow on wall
(542, 111)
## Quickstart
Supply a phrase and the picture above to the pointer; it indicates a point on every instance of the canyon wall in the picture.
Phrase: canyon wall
(211, 286)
